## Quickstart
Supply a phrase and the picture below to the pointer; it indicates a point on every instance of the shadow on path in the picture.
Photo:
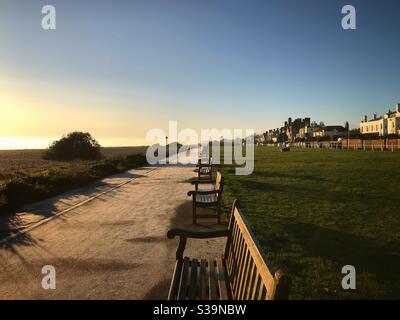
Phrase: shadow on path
(11, 223)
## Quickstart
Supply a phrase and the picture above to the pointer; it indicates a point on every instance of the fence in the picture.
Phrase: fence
(353, 144)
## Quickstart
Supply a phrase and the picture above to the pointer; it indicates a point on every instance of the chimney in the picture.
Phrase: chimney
(365, 118)
(374, 116)
(398, 107)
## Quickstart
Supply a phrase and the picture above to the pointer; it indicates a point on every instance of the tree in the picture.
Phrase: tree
(75, 145)
(347, 126)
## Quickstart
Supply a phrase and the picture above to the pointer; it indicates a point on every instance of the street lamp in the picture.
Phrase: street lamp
(166, 150)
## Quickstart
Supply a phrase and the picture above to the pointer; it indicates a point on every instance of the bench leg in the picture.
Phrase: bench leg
(194, 210)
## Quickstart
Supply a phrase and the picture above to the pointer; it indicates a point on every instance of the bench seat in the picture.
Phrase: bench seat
(202, 280)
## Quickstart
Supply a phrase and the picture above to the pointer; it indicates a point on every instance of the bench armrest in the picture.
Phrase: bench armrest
(201, 192)
(203, 165)
(184, 234)
(172, 233)
(199, 181)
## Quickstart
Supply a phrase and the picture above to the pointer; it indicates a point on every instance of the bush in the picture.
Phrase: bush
(104, 168)
(76, 145)
(14, 190)
(138, 159)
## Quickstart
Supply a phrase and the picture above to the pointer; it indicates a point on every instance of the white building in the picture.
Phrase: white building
(388, 124)
(393, 121)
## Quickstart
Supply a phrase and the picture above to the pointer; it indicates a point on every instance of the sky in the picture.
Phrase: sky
(119, 68)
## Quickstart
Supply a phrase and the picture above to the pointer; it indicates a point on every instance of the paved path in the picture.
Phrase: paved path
(113, 247)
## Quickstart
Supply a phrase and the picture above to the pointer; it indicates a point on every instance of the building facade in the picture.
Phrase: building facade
(387, 124)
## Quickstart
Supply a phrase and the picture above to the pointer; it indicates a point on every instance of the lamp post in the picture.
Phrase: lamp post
(166, 150)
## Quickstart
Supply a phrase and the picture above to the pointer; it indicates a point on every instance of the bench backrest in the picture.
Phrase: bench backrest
(248, 273)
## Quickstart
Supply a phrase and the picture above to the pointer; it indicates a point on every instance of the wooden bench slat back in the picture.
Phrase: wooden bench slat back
(248, 273)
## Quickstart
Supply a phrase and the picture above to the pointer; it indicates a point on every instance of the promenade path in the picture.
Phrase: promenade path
(111, 247)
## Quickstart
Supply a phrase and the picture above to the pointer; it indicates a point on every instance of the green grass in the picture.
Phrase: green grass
(314, 211)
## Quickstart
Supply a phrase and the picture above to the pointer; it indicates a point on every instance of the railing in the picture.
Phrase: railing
(362, 147)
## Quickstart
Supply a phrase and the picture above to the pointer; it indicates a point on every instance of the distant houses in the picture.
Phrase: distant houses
(330, 131)
(303, 129)
(388, 124)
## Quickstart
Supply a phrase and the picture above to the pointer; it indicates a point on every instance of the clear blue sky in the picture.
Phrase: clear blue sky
(122, 67)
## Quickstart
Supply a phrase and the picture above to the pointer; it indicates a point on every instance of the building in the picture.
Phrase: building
(293, 128)
(393, 121)
(377, 125)
(330, 131)
(308, 130)
(389, 123)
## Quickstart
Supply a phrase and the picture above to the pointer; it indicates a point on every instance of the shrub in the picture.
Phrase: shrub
(14, 190)
(138, 159)
(102, 169)
(75, 145)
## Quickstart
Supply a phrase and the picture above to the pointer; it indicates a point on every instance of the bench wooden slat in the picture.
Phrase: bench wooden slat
(206, 198)
(251, 281)
(175, 280)
(247, 279)
(261, 292)
(243, 274)
(183, 284)
(223, 293)
(212, 278)
(203, 279)
(238, 266)
(233, 246)
(193, 279)
(257, 281)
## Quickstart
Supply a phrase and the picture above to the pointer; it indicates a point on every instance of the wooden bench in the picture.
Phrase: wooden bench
(208, 198)
(241, 273)
(204, 170)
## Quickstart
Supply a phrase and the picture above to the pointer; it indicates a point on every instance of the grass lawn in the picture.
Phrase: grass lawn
(314, 211)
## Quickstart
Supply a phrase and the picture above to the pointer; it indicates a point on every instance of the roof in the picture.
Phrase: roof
(335, 128)
(376, 119)
(393, 115)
